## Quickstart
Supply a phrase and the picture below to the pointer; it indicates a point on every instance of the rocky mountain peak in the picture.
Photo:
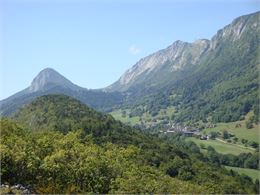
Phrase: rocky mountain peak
(239, 26)
(153, 61)
(49, 77)
(176, 47)
(178, 43)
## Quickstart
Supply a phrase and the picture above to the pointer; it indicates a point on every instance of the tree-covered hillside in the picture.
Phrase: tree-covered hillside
(226, 83)
(222, 86)
(58, 145)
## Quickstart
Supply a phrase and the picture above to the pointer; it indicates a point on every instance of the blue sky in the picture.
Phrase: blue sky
(93, 43)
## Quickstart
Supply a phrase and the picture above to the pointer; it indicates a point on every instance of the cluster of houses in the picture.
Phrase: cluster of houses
(178, 128)
(187, 131)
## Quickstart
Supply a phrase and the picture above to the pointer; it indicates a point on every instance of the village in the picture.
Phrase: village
(185, 130)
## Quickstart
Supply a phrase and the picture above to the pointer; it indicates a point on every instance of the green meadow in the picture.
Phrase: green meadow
(239, 129)
(254, 174)
(221, 147)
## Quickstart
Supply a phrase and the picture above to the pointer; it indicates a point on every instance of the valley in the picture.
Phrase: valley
(182, 120)
(162, 121)
(128, 155)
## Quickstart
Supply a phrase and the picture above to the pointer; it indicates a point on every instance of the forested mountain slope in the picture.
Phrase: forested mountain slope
(63, 113)
(70, 148)
(215, 79)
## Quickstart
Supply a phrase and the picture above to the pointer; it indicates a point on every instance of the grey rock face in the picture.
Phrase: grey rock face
(153, 61)
(49, 77)
(234, 31)
(182, 55)
(49, 81)
(176, 56)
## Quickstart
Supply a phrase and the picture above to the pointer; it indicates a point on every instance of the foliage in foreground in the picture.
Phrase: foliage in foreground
(52, 162)
(62, 146)
(57, 163)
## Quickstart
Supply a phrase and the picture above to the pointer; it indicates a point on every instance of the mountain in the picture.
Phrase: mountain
(159, 68)
(49, 78)
(56, 112)
(56, 144)
(213, 79)
(64, 113)
(49, 81)
(225, 84)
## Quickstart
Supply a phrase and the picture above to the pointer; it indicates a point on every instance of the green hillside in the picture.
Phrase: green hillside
(239, 129)
(221, 86)
(61, 152)
(63, 113)
(224, 148)
(254, 174)
(56, 163)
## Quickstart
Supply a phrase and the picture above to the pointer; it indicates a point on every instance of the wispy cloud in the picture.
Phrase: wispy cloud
(133, 49)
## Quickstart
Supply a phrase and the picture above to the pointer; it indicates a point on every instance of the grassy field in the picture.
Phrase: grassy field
(146, 117)
(237, 128)
(224, 148)
(117, 114)
(254, 174)
(240, 132)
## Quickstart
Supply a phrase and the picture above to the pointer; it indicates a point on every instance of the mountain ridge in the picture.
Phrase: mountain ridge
(185, 71)
(177, 54)
(49, 81)
(234, 30)
(221, 87)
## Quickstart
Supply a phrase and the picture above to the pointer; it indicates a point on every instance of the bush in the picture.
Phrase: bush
(249, 124)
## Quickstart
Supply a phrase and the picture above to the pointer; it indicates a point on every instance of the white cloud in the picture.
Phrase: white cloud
(133, 49)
